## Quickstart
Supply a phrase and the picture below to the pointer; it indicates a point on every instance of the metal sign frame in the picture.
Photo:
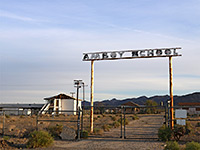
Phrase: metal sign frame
(132, 54)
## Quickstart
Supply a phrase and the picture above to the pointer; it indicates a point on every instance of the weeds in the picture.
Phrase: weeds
(84, 134)
(55, 131)
(172, 145)
(116, 124)
(113, 118)
(126, 121)
(192, 146)
(6, 138)
(164, 133)
(39, 139)
(98, 131)
(106, 127)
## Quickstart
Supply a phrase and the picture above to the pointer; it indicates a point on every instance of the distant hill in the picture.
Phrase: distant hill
(194, 97)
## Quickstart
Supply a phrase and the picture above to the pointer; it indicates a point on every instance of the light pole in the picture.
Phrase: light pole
(72, 93)
(77, 84)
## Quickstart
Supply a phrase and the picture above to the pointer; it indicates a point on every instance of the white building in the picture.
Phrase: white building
(20, 109)
(60, 104)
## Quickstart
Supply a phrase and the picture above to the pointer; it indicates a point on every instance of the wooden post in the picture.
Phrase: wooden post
(171, 94)
(92, 96)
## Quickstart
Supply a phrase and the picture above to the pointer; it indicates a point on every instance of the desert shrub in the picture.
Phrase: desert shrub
(164, 133)
(135, 117)
(178, 131)
(151, 107)
(198, 124)
(39, 139)
(192, 146)
(106, 127)
(98, 116)
(113, 118)
(98, 131)
(7, 116)
(126, 121)
(84, 134)
(6, 138)
(103, 115)
(55, 131)
(188, 128)
(21, 116)
(172, 145)
(116, 124)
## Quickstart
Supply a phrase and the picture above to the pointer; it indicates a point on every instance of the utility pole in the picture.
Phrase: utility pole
(92, 97)
(77, 84)
(171, 94)
(83, 84)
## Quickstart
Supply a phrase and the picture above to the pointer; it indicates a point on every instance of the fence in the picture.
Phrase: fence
(19, 125)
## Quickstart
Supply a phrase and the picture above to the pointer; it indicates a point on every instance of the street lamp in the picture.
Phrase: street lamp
(77, 84)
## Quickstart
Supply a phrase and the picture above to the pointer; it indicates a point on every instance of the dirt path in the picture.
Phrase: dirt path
(140, 135)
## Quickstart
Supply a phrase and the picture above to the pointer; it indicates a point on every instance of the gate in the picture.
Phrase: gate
(124, 122)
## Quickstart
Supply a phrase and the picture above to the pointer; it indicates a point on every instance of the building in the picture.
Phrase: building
(131, 107)
(192, 108)
(20, 109)
(60, 104)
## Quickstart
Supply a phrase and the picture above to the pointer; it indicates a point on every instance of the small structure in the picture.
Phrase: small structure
(20, 109)
(191, 107)
(59, 104)
(134, 108)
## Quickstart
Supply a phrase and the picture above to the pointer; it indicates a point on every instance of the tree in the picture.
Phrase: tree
(151, 104)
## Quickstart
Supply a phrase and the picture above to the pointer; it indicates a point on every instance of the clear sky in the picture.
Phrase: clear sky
(42, 43)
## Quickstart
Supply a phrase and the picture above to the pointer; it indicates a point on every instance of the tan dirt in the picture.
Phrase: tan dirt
(140, 135)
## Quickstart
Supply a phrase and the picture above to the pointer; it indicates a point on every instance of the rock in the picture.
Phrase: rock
(68, 133)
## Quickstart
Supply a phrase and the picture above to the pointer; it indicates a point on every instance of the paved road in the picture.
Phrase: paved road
(140, 135)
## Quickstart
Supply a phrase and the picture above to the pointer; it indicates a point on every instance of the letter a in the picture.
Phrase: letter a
(85, 57)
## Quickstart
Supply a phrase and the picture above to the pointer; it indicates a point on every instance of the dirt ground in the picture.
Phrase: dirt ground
(140, 135)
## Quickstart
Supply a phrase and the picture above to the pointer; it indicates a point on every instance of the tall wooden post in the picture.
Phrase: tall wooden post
(171, 94)
(92, 96)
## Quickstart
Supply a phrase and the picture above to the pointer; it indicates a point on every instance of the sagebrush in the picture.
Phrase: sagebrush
(39, 139)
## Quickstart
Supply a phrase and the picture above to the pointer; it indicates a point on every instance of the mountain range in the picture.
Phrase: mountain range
(193, 97)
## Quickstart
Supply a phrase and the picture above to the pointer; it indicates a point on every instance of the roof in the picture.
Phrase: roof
(60, 96)
(189, 104)
(130, 104)
(27, 106)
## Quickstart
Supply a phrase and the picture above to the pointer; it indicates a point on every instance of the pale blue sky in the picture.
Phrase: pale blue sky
(42, 41)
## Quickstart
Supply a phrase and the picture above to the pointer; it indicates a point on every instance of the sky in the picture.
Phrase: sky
(42, 44)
